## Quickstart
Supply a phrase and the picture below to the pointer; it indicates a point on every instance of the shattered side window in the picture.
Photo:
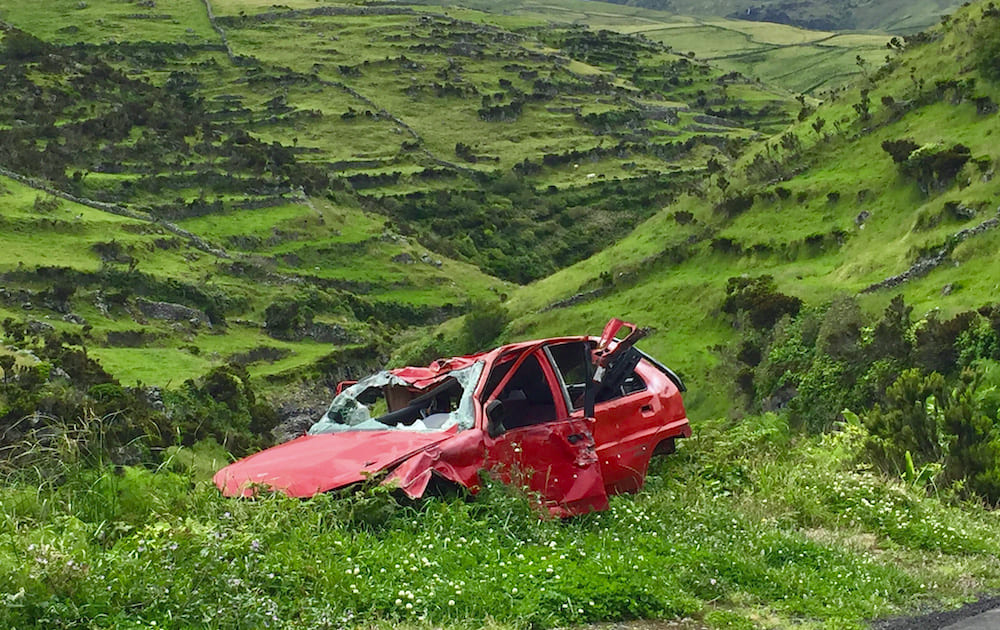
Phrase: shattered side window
(397, 406)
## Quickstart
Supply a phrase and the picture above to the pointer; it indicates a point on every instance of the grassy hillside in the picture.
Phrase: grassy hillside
(77, 269)
(268, 198)
(380, 166)
(822, 207)
(750, 529)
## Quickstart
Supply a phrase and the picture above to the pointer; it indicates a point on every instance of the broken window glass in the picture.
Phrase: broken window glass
(386, 402)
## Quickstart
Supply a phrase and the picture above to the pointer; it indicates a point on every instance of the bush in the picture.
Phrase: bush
(973, 425)
(909, 424)
(760, 299)
(937, 341)
(823, 391)
(22, 46)
(890, 337)
(738, 204)
(924, 421)
(283, 317)
(840, 331)
(900, 149)
(223, 406)
(483, 324)
(986, 47)
(789, 355)
(934, 167)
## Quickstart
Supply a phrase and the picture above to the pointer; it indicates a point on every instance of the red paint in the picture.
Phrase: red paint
(569, 462)
(317, 463)
(423, 377)
(556, 461)
(457, 460)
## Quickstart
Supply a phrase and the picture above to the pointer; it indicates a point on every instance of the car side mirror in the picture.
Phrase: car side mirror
(494, 419)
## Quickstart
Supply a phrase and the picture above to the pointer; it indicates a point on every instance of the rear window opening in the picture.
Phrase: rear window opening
(572, 363)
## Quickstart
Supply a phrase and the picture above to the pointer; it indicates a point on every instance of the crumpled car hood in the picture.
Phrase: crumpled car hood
(313, 464)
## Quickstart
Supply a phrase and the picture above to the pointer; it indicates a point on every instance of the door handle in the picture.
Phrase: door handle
(573, 439)
(646, 409)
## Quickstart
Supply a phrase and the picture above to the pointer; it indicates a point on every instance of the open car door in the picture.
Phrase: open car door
(532, 447)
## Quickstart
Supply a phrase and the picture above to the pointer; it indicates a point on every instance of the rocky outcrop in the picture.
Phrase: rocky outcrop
(317, 331)
(578, 298)
(130, 338)
(927, 263)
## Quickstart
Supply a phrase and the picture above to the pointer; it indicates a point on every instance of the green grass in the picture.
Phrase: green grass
(97, 21)
(352, 240)
(912, 17)
(168, 367)
(742, 526)
(538, 130)
(682, 301)
(749, 525)
(299, 100)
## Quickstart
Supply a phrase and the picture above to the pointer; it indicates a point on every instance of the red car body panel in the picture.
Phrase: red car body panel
(458, 460)
(571, 463)
(546, 460)
(312, 464)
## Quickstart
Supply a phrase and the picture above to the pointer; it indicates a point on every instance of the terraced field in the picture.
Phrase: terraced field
(823, 208)
(234, 205)
(783, 56)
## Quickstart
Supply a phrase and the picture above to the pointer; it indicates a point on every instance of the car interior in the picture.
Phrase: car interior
(527, 398)
(431, 407)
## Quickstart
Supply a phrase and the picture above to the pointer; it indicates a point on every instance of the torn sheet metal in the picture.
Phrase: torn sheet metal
(458, 460)
(556, 461)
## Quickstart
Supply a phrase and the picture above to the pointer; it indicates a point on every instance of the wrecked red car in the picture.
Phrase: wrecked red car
(573, 419)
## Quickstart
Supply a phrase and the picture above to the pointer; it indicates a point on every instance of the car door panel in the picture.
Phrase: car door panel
(623, 433)
(555, 460)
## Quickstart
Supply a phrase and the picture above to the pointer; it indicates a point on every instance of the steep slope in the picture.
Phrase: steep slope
(304, 176)
(104, 513)
(823, 208)
(154, 306)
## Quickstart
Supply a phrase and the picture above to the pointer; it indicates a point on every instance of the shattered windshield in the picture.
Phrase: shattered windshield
(384, 401)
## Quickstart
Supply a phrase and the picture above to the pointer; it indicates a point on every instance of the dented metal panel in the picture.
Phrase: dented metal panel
(556, 461)
(318, 463)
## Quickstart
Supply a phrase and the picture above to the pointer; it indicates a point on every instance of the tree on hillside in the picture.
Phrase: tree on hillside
(21, 46)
